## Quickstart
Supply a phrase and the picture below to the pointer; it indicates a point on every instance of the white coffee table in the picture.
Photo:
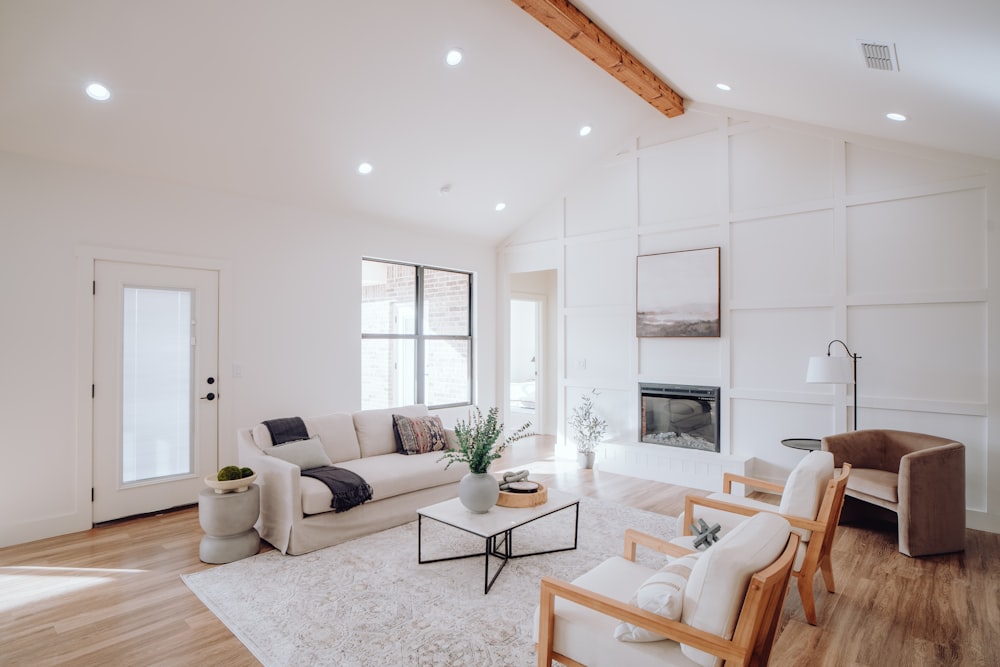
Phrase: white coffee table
(496, 527)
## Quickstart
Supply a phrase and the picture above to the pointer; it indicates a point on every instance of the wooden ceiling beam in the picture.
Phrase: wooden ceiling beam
(565, 20)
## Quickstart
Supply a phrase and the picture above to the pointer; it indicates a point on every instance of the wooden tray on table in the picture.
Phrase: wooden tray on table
(511, 499)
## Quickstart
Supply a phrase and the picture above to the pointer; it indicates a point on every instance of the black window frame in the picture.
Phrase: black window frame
(420, 338)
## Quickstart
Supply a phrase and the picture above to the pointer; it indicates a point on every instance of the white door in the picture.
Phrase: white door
(156, 387)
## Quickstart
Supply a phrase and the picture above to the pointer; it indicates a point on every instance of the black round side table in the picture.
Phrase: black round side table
(809, 444)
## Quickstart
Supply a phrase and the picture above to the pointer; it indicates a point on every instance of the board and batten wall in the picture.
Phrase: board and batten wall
(291, 312)
(823, 236)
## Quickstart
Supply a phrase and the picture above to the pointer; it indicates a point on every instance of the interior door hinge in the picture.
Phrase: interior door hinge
(94, 288)
(93, 391)
(91, 494)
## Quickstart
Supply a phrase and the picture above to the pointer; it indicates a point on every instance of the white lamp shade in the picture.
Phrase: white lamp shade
(830, 370)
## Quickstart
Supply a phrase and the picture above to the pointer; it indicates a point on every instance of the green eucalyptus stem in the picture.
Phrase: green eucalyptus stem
(477, 441)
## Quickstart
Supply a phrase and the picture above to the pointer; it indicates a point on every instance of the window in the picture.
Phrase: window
(416, 335)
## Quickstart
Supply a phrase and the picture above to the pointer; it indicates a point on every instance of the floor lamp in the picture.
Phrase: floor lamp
(836, 370)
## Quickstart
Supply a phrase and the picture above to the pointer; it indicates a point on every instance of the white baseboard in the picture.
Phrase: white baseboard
(982, 521)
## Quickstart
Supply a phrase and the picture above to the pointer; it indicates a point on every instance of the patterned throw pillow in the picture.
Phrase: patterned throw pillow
(663, 594)
(419, 435)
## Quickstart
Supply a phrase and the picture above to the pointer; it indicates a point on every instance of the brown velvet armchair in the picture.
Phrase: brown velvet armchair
(919, 477)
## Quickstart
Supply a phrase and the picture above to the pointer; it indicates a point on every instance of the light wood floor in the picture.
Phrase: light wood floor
(113, 595)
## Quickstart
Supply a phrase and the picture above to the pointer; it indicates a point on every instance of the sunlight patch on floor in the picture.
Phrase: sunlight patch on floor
(26, 585)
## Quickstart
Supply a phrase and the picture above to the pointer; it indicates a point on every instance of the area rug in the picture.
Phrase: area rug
(369, 603)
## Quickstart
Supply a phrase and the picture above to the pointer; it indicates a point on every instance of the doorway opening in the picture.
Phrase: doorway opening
(531, 358)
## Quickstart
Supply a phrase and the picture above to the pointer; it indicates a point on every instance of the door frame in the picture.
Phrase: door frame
(86, 256)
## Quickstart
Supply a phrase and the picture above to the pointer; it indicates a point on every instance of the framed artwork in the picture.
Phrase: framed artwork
(677, 294)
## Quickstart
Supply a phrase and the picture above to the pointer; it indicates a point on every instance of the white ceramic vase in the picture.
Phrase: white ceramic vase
(585, 459)
(478, 491)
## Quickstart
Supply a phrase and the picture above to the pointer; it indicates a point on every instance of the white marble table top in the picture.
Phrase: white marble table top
(498, 519)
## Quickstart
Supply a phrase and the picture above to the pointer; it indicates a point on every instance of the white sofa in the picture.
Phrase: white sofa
(295, 512)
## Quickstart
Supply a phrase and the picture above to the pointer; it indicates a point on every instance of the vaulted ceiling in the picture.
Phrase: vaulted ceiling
(283, 101)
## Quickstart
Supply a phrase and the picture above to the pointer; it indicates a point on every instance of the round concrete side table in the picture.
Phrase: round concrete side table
(228, 519)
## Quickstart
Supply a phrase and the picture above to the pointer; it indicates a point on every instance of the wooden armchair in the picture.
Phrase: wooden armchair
(816, 530)
(731, 604)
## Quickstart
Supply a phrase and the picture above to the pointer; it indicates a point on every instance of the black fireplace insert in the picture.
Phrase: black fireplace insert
(679, 415)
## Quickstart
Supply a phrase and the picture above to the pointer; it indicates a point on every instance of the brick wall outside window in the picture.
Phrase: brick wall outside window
(389, 306)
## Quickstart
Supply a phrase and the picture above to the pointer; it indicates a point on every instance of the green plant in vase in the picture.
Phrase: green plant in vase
(479, 445)
(588, 429)
(477, 441)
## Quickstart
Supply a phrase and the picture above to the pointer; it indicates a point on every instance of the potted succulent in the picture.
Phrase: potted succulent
(588, 430)
(479, 445)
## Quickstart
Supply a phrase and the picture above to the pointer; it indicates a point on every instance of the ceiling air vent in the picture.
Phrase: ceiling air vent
(879, 55)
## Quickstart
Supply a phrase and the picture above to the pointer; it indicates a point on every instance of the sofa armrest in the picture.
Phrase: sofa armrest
(280, 492)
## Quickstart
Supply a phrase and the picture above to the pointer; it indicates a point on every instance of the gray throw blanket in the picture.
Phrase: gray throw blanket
(286, 429)
(349, 489)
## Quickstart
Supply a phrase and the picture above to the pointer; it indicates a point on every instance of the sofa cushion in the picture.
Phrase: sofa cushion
(662, 594)
(336, 431)
(389, 475)
(305, 454)
(717, 586)
(374, 428)
(877, 483)
(419, 435)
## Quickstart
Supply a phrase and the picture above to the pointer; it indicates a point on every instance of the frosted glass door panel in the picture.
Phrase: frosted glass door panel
(157, 388)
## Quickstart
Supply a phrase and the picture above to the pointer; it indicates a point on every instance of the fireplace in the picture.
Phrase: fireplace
(679, 415)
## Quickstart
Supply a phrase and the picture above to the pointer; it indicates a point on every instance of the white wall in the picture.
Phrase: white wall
(293, 314)
(823, 236)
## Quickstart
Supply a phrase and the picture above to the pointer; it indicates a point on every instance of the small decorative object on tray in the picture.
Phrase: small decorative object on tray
(522, 487)
(516, 490)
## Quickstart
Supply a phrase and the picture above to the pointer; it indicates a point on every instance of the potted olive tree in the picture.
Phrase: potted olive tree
(478, 446)
(588, 430)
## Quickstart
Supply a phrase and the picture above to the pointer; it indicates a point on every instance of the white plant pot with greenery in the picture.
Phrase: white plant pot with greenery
(588, 430)
(478, 447)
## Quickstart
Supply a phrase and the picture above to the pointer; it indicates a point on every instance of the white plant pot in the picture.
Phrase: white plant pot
(586, 459)
(478, 491)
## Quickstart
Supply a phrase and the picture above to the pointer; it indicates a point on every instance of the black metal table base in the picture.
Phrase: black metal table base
(499, 546)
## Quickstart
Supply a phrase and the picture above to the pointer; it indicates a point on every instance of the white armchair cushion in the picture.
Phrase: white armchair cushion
(588, 636)
(718, 583)
(663, 594)
(805, 487)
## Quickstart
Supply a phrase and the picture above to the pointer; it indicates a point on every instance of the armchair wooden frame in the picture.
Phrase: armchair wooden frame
(753, 636)
(824, 527)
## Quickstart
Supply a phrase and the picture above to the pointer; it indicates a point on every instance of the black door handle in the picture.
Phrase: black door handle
(210, 397)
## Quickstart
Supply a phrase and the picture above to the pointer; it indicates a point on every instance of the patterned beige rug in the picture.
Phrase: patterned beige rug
(369, 603)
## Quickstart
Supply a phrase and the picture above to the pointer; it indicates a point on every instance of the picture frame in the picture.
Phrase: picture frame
(678, 294)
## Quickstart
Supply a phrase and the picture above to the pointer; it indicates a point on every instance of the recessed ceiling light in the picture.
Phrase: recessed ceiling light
(723, 86)
(898, 117)
(585, 130)
(98, 92)
(454, 57)
(365, 168)
(501, 206)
